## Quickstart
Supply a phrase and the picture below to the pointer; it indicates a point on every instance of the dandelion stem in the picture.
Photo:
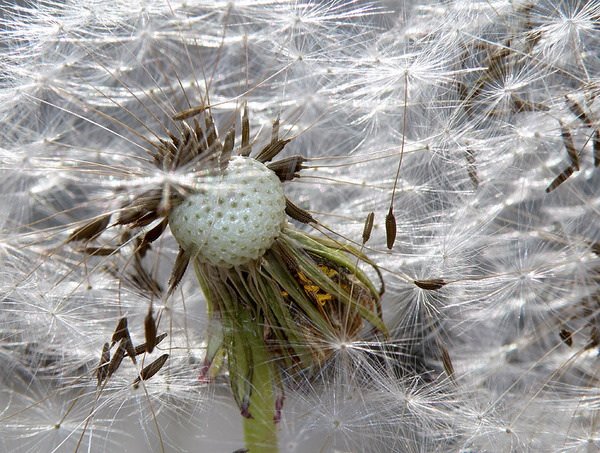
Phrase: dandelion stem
(260, 431)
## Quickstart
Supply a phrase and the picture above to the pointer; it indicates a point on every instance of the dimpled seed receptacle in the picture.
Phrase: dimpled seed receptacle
(234, 218)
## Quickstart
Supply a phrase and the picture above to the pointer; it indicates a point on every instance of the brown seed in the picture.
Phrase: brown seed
(447, 362)
(189, 146)
(99, 251)
(116, 360)
(596, 144)
(141, 348)
(246, 148)
(121, 334)
(495, 62)
(271, 150)
(569, 145)
(390, 229)
(566, 336)
(129, 349)
(155, 232)
(102, 371)
(150, 370)
(90, 230)
(150, 331)
(141, 209)
(201, 145)
(275, 130)
(577, 110)
(521, 105)
(228, 145)
(179, 268)
(174, 139)
(287, 169)
(560, 179)
(532, 37)
(472, 168)
(297, 213)
(121, 331)
(214, 145)
(366, 234)
(431, 284)
(594, 338)
(188, 113)
(141, 278)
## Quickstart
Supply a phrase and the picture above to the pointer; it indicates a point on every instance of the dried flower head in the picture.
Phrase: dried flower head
(274, 293)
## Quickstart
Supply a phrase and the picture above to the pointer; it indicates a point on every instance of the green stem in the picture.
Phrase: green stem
(253, 372)
(260, 431)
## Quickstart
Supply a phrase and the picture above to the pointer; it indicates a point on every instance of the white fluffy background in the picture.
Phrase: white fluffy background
(83, 86)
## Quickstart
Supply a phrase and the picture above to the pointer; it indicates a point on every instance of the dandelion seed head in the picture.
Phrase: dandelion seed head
(235, 218)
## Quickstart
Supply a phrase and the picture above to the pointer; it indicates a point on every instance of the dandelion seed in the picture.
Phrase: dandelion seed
(566, 336)
(121, 331)
(102, 370)
(596, 144)
(181, 263)
(150, 370)
(117, 358)
(141, 348)
(447, 362)
(562, 177)
(90, 230)
(472, 168)
(366, 234)
(99, 251)
(578, 111)
(594, 338)
(390, 229)
(287, 168)
(568, 141)
(298, 213)
(150, 331)
(431, 285)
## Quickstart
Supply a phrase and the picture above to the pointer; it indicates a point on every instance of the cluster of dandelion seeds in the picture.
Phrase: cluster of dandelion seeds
(468, 321)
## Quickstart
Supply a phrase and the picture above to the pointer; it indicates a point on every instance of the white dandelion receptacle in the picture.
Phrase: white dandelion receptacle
(235, 216)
